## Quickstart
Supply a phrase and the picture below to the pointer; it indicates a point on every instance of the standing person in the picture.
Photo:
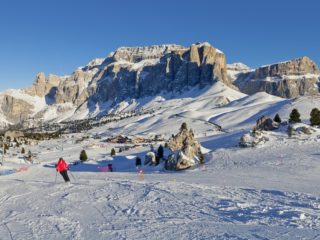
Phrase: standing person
(62, 167)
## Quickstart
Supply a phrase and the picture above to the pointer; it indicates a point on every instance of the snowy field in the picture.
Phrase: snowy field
(268, 192)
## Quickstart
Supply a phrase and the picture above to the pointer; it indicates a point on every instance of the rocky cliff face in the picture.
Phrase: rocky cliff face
(288, 79)
(140, 72)
(137, 72)
(43, 85)
(15, 109)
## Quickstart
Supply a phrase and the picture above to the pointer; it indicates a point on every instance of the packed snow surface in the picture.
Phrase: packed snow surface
(267, 192)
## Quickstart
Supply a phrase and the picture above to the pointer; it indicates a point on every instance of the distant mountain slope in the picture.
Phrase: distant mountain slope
(289, 79)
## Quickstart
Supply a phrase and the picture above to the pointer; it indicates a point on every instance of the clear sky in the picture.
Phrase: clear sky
(57, 36)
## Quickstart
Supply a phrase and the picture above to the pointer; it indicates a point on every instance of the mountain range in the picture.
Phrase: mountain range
(130, 75)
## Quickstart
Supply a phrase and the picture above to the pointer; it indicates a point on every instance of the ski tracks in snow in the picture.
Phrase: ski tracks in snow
(124, 209)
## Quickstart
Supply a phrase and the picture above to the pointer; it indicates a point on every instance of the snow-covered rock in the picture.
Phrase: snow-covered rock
(266, 123)
(252, 139)
(150, 158)
(235, 69)
(187, 151)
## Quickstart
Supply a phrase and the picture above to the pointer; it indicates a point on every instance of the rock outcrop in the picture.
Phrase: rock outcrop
(15, 109)
(287, 79)
(42, 85)
(150, 159)
(186, 151)
(252, 139)
(266, 124)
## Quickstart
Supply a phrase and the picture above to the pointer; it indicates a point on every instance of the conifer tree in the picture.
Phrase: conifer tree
(277, 118)
(83, 156)
(315, 117)
(23, 151)
(295, 116)
(113, 152)
(160, 152)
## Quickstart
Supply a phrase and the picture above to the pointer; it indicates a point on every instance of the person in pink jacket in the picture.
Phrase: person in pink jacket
(62, 167)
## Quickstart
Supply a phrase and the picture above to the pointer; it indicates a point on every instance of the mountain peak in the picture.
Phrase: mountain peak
(238, 66)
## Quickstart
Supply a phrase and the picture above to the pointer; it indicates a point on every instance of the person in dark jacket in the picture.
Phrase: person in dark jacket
(62, 167)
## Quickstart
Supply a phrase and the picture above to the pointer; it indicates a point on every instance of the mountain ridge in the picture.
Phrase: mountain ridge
(137, 72)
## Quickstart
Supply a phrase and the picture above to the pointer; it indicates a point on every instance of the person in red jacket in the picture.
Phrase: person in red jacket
(62, 167)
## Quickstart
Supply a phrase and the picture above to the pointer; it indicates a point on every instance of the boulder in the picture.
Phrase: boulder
(252, 139)
(266, 123)
(186, 151)
(150, 159)
(306, 130)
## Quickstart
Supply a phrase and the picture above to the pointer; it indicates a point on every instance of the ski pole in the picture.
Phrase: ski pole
(72, 176)
(55, 181)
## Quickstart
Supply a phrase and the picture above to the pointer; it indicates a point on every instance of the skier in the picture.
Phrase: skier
(62, 167)
(138, 162)
(110, 169)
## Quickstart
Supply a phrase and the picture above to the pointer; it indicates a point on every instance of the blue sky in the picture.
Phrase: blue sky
(57, 36)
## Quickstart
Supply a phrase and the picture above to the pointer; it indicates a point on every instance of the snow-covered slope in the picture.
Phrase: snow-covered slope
(235, 69)
(270, 192)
